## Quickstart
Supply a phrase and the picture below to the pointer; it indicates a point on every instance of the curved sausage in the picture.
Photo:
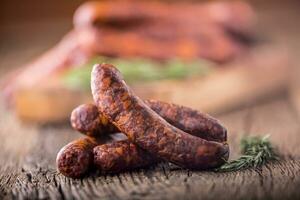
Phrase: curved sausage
(87, 119)
(146, 128)
(124, 155)
(120, 156)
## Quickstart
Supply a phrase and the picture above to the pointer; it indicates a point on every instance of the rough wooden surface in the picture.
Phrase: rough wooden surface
(27, 164)
(27, 153)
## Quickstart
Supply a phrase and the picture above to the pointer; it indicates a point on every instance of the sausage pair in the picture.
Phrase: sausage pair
(155, 130)
(145, 128)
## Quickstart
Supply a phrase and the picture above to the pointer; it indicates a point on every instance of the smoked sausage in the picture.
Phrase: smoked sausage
(87, 119)
(74, 159)
(146, 128)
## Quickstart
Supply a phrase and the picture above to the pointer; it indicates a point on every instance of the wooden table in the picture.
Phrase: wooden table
(27, 153)
(27, 164)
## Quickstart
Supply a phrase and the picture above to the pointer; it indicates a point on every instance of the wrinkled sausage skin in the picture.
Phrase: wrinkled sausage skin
(146, 128)
(120, 156)
(189, 120)
(74, 159)
(86, 119)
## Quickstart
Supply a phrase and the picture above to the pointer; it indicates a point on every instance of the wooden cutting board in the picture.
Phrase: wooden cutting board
(263, 72)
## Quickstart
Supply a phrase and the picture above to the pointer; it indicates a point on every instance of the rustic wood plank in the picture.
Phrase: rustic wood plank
(36, 174)
(27, 154)
(30, 172)
(280, 120)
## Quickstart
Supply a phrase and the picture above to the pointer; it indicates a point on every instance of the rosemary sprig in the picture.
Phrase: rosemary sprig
(256, 151)
(139, 70)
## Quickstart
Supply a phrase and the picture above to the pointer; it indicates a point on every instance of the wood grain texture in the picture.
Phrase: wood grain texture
(27, 154)
(27, 164)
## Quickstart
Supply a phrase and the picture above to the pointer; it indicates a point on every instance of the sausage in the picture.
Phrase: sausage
(87, 119)
(75, 159)
(237, 16)
(146, 128)
(211, 43)
(120, 156)
(124, 155)
(155, 29)
(190, 120)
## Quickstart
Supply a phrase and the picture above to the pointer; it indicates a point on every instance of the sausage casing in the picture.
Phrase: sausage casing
(87, 119)
(146, 128)
(74, 159)
(120, 156)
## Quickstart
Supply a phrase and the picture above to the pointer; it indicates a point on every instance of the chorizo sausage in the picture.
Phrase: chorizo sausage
(74, 159)
(87, 119)
(146, 128)
(120, 156)
(235, 16)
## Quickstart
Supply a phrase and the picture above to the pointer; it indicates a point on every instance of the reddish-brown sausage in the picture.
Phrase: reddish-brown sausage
(163, 31)
(236, 16)
(74, 159)
(120, 156)
(87, 119)
(146, 128)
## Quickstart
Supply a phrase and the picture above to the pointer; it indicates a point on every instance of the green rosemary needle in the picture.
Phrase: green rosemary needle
(256, 151)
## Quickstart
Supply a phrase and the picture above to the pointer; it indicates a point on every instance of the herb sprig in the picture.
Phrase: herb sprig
(256, 151)
(139, 70)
